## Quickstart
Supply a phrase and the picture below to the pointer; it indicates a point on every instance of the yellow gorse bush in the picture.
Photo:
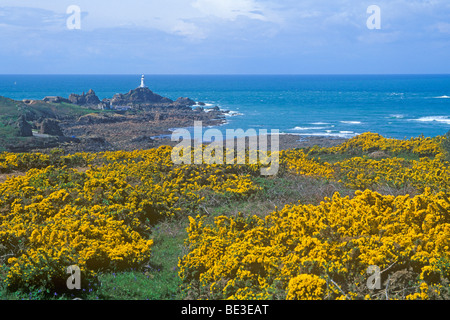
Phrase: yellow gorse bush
(296, 252)
(361, 172)
(298, 162)
(305, 250)
(306, 287)
(98, 218)
(369, 141)
(96, 210)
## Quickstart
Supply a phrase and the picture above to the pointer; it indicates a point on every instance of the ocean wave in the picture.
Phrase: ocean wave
(320, 123)
(231, 113)
(442, 97)
(308, 128)
(396, 116)
(351, 122)
(440, 119)
(330, 133)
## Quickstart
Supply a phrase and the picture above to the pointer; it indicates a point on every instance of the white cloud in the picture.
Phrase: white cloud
(30, 17)
(231, 9)
(443, 27)
(188, 29)
(171, 31)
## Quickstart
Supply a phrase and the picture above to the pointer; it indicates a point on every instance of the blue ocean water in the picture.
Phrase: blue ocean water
(398, 106)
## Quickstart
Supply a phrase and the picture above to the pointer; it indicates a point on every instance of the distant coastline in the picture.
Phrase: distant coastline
(84, 123)
(395, 106)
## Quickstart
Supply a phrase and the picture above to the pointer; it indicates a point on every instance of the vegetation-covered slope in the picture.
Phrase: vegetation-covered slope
(139, 226)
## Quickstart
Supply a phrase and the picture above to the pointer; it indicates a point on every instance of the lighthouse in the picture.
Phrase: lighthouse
(142, 82)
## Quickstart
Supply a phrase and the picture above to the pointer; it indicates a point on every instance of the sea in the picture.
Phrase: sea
(395, 106)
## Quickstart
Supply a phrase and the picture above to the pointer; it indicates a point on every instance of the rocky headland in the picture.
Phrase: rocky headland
(138, 119)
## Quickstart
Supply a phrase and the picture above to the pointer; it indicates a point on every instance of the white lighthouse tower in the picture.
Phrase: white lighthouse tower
(142, 82)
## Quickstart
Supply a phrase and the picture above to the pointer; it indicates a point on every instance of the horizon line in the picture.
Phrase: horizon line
(225, 74)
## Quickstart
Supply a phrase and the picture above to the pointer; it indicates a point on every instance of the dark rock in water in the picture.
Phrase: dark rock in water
(202, 104)
(24, 128)
(183, 102)
(144, 97)
(88, 99)
(51, 127)
(139, 96)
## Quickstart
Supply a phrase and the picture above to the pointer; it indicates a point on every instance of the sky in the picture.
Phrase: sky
(224, 37)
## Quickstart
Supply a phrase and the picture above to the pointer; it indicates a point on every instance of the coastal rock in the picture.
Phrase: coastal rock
(51, 127)
(88, 99)
(216, 108)
(144, 97)
(139, 96)
(183, 102)
(23, 127)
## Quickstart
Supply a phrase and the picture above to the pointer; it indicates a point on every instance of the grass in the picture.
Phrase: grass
(338, 157)
(9, 107)
(61, 109)
(333, 157)
(7, 131)
(158, 280)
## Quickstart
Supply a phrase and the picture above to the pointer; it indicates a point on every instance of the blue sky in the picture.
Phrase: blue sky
(224, 37)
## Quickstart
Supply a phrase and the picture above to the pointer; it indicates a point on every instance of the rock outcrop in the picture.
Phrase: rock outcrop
(51, 127)
(183, 102)
(139, 96)
(144, 97)
(88, 99)
(24, 129)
